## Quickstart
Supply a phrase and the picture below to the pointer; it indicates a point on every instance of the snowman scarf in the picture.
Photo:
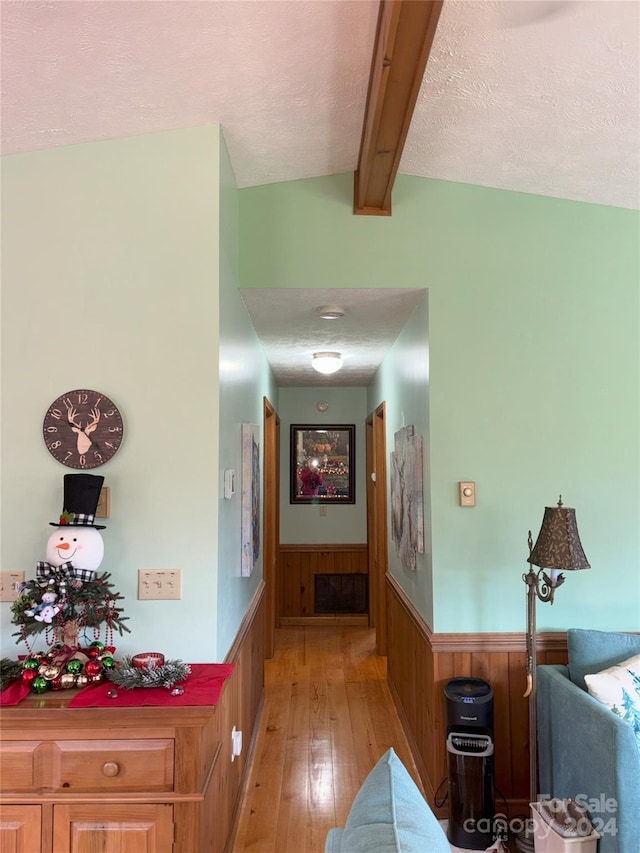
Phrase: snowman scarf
(65, 571)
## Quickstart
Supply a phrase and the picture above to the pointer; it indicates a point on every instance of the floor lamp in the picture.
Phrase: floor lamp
(558, 548)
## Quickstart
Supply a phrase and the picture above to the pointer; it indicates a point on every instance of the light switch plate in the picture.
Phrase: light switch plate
(467, 493)
(9, 583)
(156, 584)
(229, 483)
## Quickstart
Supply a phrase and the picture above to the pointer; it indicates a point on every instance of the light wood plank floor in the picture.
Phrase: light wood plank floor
(327, 718)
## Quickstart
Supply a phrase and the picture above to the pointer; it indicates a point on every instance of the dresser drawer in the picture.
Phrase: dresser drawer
(81, 766)
(20, 766)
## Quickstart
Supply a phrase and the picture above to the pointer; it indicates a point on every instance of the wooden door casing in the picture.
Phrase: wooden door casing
(380, 527)
(271, 515)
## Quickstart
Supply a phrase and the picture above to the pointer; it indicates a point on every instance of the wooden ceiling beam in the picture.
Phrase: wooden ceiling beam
(404, 36)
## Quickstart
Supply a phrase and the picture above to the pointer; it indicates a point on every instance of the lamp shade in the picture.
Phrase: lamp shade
(558, 544)
(326, 362)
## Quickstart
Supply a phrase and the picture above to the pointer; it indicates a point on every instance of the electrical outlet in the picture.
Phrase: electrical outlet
(236, 743)
(323, 510)
(155, 584)
(9, 583)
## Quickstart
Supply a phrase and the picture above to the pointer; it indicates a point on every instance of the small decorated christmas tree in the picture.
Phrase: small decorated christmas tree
(67, 596)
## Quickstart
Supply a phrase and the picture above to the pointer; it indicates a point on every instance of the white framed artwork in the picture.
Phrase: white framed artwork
(250, 522)
(407, 503)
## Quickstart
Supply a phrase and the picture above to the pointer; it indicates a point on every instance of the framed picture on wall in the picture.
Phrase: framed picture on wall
(250, 498)
(322, 464)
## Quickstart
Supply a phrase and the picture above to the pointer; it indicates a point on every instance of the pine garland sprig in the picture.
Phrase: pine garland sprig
(166, 675)
(10, 670)
(90, 603)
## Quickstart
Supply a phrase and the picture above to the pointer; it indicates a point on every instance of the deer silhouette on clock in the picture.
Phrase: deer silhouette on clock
(82, 429)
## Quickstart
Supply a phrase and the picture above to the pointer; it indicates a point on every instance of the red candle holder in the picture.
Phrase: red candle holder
(147, 660)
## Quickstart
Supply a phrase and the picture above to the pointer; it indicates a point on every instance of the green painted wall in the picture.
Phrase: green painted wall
(114, 277)
(245, 377)
(534, 369)
(302, 524)
(402, 382)
(120, 263)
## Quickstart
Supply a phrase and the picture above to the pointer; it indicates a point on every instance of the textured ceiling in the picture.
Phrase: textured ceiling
(540, 96)
(290, 329)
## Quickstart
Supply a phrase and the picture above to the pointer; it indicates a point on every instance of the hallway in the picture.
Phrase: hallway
(328, 716)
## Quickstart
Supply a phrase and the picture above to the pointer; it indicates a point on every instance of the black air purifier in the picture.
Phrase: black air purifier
(469, 707)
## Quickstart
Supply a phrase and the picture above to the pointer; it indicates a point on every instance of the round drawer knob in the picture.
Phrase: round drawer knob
(110, 768)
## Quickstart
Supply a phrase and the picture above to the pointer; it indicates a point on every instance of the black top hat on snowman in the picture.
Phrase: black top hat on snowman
(81, 496)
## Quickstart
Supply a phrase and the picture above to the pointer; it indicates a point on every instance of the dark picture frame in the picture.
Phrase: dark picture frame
(327, 452)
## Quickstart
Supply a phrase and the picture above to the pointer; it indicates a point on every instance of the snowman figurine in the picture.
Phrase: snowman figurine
(46, 610)
(75, 549)
(76, 544)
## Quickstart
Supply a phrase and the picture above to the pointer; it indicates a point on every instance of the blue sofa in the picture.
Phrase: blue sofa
(388, 815)
(584, 750)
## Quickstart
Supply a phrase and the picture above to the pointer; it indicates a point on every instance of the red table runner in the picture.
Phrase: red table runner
(14, 693)
(202, 687)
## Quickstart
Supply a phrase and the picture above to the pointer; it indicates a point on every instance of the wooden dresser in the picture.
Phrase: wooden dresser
(108, 779)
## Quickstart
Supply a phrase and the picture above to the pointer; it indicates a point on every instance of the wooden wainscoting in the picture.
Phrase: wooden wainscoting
(296, 569)
(420, 663)
(240, 705)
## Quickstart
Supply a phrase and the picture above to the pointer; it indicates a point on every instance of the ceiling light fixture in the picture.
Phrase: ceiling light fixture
(331, 312)
(326, 362)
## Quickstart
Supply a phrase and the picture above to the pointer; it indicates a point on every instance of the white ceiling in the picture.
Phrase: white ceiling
(290, 329)
(538, 96)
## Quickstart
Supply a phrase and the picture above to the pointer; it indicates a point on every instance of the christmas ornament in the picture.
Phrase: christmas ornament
(30, 663)
(67, 680)
(56, 683)
(92, 668)
(49, 671)
(39, 684)
(74, 666)
(27, 676)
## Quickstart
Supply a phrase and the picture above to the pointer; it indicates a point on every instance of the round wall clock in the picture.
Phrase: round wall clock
(82, 429)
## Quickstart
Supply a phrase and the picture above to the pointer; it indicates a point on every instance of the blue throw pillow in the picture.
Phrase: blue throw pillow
(592, 651)
(390, 815)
